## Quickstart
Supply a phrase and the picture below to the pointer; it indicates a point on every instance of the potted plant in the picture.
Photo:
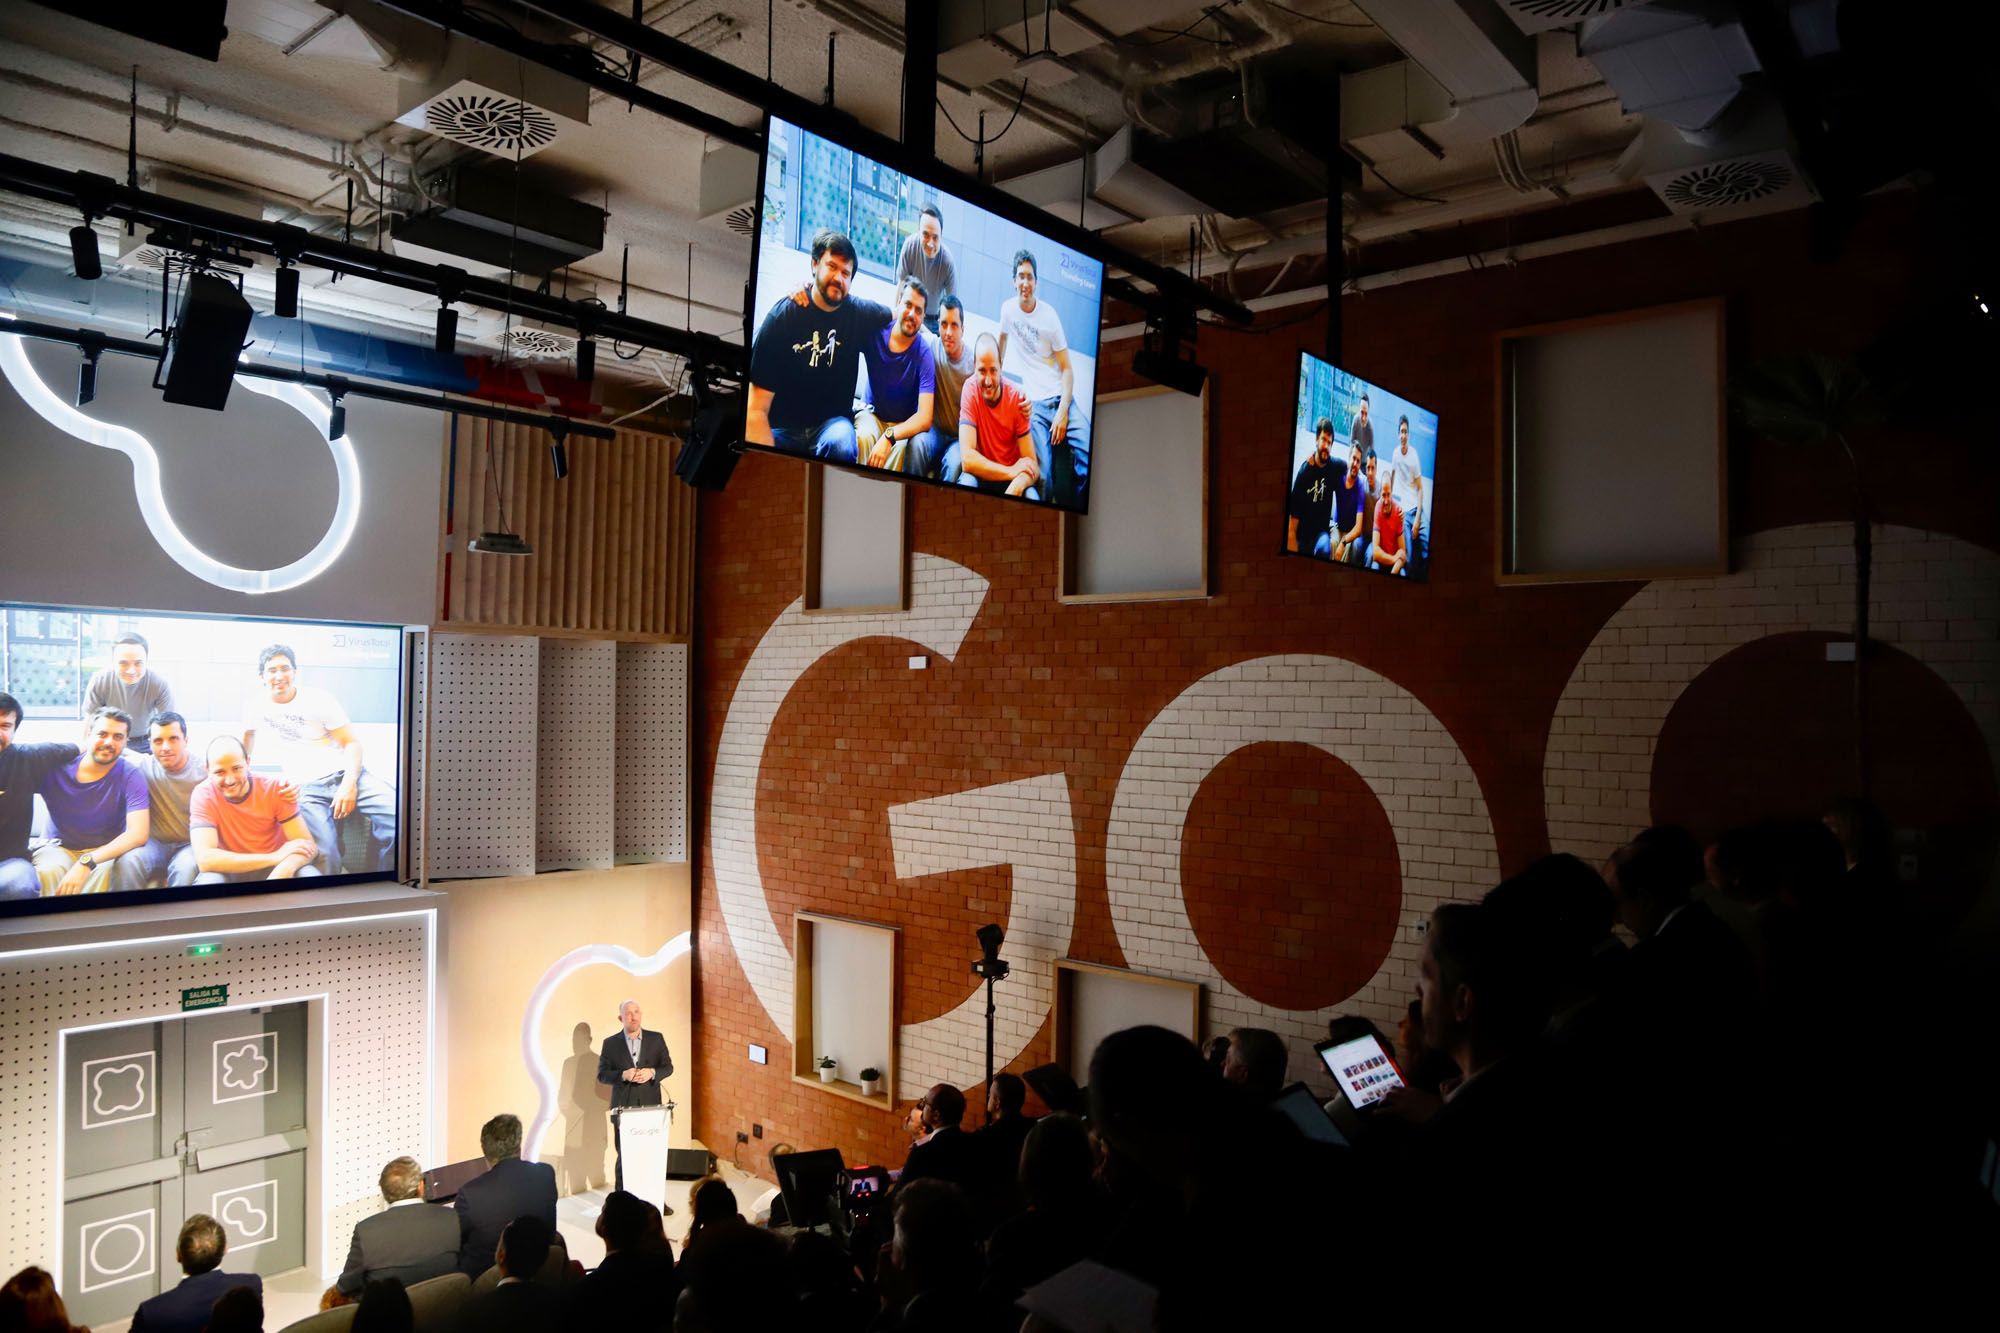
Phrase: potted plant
(871, 1081)
(829, 1068)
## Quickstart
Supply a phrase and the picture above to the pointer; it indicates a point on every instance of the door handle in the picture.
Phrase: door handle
(121, 1178)
(249, 1150)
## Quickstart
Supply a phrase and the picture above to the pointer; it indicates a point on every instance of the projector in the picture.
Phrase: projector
(499, 543)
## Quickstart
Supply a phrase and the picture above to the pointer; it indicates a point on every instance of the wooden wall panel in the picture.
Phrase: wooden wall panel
(614, 541)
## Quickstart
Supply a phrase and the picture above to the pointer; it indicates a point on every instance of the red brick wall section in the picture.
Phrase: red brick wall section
(1290, 869)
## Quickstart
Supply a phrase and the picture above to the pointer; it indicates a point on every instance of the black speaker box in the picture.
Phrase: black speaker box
(710, 454)
(200, 365)
(689, 1163)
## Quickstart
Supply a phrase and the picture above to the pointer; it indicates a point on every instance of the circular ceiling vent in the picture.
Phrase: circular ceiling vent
(154, 258)
(497, 124)
(1726, 183)
(1565, 11)
(742, 220)
(538, 344)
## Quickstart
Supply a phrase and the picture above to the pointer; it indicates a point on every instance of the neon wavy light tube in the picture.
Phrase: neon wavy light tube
(58, 412)
(531, 1023)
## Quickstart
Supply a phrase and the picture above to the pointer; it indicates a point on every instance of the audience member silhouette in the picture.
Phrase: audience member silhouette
(238, 1310)
(187, 1308)
(635, 1286)
(30, 1303)
(945, 1151)
(1065, 1217)
(519, 1304)
(1256, 1062)
(735, 1281)
(384, 1308)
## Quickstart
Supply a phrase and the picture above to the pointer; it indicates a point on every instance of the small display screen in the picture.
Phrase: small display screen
(1363, 1070)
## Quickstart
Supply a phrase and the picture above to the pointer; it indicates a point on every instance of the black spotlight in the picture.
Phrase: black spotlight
(287, 304)
(86, 374)
(558, 452)
(1164, 356)
(83, 252)
(990, 967)
(336, 420)
(447, 330)
(586, 360)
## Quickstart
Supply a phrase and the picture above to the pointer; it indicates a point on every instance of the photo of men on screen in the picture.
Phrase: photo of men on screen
(874, 292)
(1352, 501)
(271, 766)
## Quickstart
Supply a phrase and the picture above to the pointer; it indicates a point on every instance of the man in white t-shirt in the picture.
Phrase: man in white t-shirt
(303, 732)
(1034, 350)
(1406, 476)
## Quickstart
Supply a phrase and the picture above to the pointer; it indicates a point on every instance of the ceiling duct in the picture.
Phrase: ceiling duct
(485, 213)
(1682, 63)
(1754, 170)
(979, 42)
(139, 251)
(486, 99)
(1470, 77)
(1533, 16)
(728, 189)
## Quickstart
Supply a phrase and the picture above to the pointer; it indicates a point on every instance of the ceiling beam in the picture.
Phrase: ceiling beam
(608, 25)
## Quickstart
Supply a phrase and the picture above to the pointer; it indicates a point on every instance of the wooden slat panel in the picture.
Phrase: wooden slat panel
(614, 542)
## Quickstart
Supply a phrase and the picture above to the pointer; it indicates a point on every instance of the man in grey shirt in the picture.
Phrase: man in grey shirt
(925, 259)
(130, 687)
(172, 773)
(953, 355)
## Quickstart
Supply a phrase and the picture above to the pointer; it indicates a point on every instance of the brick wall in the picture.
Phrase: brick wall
(1265, 791)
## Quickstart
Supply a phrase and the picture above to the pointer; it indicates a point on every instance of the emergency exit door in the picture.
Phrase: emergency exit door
(205, 1114)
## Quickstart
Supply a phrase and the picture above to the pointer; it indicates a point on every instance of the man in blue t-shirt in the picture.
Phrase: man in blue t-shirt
(100, 809)
(805, 359)
(22, 768)
(895, 430)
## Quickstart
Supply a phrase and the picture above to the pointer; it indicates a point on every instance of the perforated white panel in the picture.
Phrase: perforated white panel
(574, 812)
(653, 752)
(376, 1051)
(480, 788)
(413, 826)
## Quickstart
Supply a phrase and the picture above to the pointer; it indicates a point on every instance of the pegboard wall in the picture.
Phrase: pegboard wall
(653, 752)
(528, 766)
(479, 792)
(373, 974)
(413, 728)
(578, 758)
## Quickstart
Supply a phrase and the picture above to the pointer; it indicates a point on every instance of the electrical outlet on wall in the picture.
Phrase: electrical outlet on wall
(757, 1130)
(741, 1137)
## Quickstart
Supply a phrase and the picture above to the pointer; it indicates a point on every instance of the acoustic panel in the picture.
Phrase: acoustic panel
(480, 777)
(375, 1030)
(652, 795)
(1146, 535)
(577, 756)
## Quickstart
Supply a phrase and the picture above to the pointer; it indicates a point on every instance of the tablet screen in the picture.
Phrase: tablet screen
(1303, 1109)
(1362, 1068)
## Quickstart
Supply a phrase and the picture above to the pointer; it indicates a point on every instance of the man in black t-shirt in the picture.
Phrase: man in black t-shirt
(22, 768)
(1310, 508)
(805, 359)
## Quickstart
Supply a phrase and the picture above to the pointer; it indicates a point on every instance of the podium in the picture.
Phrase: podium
(642, 1150)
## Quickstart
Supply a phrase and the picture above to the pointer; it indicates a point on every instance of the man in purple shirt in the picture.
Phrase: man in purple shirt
(894, 430)
(99, 807)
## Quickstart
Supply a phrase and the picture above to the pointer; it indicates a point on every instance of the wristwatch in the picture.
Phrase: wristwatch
(89, 859)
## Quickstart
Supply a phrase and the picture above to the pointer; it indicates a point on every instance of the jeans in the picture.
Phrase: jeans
(1357, 550)
(1323, 546)
(831, 441)
(172, 862)
(950, 468)
(1074, 451)
(373, 800)
(18, 879)
(248, 876)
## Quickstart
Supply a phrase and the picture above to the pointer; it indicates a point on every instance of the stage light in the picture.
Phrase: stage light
(86, 375)
(558, 452)
(446, 340)
(83, 252)
(586, 360)
(287, 303)
(336, 421)
(1164, 355)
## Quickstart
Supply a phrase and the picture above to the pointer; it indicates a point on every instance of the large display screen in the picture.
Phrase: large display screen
(1362, 477)
(903, 331)
(147, 756)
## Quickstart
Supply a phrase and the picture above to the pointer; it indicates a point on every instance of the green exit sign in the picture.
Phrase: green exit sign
(205, 997)
(202, 950)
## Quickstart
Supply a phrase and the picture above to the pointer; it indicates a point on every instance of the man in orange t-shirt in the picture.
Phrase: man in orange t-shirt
(241, 827)
(1389, 554)
(993, 448)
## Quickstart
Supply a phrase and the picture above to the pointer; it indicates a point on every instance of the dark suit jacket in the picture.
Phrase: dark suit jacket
(949, 1154)
(409, 1242)
(186, 1308)
(615, 1059)
(486, 1204)
(517, 1307)
(632, 1290)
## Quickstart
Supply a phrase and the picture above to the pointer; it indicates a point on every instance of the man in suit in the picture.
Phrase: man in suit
(518, 1304)
(943, 1151)
(511, 1188)
(632, 1064)
(187, 1307)
(410, 1241)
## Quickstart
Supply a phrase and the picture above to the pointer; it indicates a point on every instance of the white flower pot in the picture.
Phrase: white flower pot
(827, 1074)
(871, 1087)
